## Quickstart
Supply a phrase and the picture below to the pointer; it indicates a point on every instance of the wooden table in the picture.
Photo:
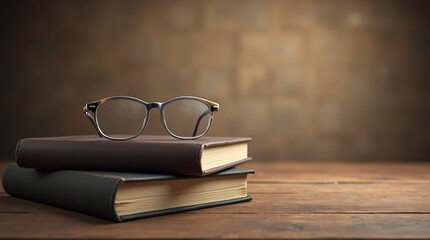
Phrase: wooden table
(291, 200)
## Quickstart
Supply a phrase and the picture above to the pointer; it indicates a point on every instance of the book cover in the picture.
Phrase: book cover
(120, 196)
(146, 153)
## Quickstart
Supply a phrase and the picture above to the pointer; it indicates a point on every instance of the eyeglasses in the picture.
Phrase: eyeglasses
(124, 117)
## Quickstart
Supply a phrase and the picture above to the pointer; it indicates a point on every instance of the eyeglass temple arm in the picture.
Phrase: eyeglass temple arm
(212, 109)
(92, 120)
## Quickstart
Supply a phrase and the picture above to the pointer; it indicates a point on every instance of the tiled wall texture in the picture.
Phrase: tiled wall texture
(308, 80)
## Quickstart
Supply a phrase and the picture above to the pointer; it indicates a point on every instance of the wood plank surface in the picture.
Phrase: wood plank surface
(291, 200)
(334, 172)
(210, 226)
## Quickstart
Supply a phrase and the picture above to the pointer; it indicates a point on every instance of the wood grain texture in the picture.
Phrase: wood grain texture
(334, 172)
(291, 200)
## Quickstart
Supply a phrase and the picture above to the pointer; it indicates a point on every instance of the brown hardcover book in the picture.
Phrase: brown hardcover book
(157, 154)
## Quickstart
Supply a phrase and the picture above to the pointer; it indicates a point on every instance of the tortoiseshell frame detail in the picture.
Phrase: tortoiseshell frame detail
(90, 110)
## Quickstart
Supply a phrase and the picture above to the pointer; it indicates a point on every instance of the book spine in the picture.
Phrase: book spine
(182, 159)
(81, 192)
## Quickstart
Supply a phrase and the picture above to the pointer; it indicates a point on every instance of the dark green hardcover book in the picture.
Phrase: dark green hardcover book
(120, 196)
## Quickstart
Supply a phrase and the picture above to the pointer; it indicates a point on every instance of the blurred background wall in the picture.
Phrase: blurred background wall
(308, 80)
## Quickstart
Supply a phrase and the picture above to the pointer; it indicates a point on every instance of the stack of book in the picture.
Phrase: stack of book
(121, 181)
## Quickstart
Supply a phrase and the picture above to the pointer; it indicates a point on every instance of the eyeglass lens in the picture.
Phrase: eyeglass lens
(121, 118)
(187, 117)
(124, 118)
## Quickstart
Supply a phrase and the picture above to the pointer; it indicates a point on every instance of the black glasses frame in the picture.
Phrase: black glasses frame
(90, 110)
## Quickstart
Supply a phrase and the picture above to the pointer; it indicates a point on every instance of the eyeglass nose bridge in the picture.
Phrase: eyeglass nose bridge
(150, 106)
(154, 105)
